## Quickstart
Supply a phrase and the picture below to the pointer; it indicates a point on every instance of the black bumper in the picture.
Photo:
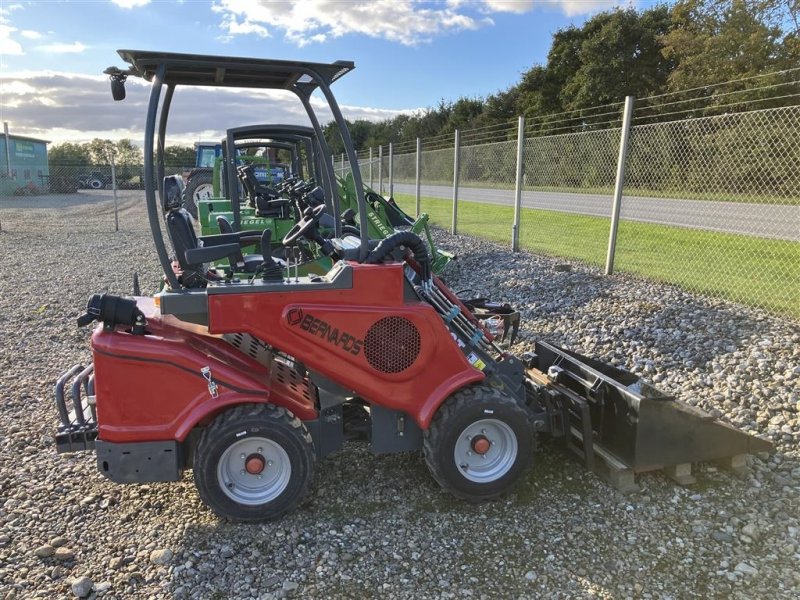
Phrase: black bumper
(78, 427)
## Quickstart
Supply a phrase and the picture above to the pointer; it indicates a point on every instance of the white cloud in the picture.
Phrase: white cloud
(60, 48)
(570, 8)
(130, 3)
(306, 21)
(408, 22)
(582, 7)
(72, 107)
(235, 27)
(7, 45)
(30, 34)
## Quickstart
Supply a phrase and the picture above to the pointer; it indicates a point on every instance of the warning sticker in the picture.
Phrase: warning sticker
(475, 361)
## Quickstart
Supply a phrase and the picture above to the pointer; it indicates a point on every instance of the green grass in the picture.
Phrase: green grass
(754, 271)
(628, 191)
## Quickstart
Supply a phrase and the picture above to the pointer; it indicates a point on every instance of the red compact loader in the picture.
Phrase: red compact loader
(250, 382)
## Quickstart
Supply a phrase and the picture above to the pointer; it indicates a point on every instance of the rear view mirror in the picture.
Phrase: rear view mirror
(118, 88)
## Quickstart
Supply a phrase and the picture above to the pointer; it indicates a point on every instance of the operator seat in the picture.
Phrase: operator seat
(183, 238)
(264, 199)
(194, 254)
(238, 262)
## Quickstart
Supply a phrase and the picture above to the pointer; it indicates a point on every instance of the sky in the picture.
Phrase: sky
(409, 55)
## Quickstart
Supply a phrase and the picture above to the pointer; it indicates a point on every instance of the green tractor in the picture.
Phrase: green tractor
(386, 217)
(250, 203)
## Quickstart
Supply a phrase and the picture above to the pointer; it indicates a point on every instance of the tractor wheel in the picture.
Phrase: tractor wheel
(199, 187)
(479, 444)
(95, 183)
(255, 462)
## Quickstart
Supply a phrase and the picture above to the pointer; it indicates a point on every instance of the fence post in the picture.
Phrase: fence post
(114, 189)
(342, 165)
(618, 186)
(518, 189)
(456, 169)
(380, 169)
(391, 170)
(419, 172)
(8, 149)
(370, 167)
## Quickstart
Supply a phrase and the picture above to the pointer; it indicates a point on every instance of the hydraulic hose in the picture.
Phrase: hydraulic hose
(408, 240)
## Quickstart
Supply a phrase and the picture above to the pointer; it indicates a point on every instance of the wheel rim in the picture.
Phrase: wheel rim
(203, 192)
(239, 476)
(486, 450)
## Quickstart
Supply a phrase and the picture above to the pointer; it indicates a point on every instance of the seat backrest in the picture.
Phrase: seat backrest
(249, 180)
(249, 173)
(173, 192)
(247, 185)
(225, 227)
(183, 238)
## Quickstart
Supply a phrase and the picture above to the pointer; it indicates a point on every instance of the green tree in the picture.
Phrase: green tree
(69, 154)
(124, 152)
(717, 41)
(179, 156)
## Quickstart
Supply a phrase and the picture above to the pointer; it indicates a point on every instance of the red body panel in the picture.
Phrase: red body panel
(150, 387)
(277, 318)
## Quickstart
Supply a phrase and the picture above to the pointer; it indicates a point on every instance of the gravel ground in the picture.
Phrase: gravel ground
(378, 526)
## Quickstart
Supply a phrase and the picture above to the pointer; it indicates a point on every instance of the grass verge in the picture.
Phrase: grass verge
(754, 271)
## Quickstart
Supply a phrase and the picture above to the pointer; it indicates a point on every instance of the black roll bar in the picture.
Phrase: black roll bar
(149, 178)
(302, 78)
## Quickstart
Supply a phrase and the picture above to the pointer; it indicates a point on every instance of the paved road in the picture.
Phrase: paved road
(762, 220)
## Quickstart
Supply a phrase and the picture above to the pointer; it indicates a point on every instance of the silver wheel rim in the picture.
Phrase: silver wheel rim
(254, 489)
(203, 192)
(496, 461)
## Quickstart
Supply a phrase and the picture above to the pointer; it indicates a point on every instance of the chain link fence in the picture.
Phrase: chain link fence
(710, 203)
(719, 197)
(71, 179)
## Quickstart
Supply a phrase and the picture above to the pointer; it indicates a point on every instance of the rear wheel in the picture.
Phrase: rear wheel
(255, 462)
(479, 444)
(199, 187)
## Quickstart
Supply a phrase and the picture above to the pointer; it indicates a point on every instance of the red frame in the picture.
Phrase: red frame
(151, 387)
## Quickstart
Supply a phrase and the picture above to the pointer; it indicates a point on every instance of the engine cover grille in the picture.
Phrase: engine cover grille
(392, 344)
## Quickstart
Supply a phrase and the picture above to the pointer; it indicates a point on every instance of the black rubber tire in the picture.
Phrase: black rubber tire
(197, 180)
(260, 420)
(462, 409)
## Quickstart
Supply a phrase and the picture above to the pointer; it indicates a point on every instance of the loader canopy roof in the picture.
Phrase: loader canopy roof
(232, 71)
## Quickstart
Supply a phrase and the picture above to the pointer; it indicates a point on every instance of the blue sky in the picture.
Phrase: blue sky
(408, 55)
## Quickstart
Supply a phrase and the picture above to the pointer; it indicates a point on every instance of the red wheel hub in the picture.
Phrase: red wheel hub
(254, 464)
(480, 445)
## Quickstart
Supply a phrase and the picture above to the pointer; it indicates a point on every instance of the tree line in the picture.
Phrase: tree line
(617, 53)
(125, 153)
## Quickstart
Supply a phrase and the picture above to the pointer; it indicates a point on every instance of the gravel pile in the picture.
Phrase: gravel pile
(378, 526)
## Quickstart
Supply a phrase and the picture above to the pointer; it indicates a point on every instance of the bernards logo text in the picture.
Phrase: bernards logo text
(315, 326)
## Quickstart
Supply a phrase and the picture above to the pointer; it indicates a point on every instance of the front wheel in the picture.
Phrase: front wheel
(479, 444)
(255, 462)
(199, 187)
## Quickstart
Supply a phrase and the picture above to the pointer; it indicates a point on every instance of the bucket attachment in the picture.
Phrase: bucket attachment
(607, 413)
